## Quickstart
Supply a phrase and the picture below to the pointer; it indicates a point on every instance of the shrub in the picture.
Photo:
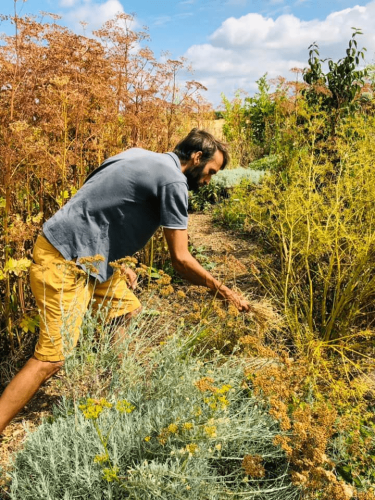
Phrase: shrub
(316, 217)
(250, 123)
(227, 179)
(270, 162)
(190, 429)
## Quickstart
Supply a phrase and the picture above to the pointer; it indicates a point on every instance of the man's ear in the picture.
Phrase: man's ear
(196, 157)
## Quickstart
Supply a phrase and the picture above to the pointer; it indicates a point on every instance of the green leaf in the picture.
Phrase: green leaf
(29, 323)
(16, 266)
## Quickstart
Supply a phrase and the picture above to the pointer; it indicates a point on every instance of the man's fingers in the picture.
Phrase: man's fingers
(131, 278)
(243, 305)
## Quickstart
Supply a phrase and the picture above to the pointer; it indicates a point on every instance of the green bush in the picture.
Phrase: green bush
(222, 184)
(268, 163)
(227, 179)
(250, 123)
(195, 433)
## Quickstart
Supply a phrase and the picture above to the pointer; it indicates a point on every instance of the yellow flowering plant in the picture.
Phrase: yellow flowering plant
(92, 410)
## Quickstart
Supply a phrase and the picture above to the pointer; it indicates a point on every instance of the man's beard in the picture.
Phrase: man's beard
(194, 175)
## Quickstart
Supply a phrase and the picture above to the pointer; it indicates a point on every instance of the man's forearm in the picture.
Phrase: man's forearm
(190, 269)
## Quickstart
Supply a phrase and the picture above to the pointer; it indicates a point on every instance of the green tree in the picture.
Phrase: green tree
(336, 91)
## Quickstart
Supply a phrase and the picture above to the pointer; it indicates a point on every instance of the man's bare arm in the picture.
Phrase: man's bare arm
(189, 268)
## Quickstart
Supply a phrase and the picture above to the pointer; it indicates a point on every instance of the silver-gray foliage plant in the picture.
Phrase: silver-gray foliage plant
(58, 459)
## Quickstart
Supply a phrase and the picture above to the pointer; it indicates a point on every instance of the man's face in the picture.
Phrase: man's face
(199, 174)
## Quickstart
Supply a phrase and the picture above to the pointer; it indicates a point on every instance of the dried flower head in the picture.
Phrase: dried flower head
(166, 291)
(123, 406)
(89, 263)
(205, 384)
(252, 466)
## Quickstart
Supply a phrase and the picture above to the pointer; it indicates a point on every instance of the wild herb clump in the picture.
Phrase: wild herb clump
(186, 429)
(316, 219)
(250, 124)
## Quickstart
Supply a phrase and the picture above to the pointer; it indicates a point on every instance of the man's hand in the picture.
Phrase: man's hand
(131, 277)
(189, 268)
(237, 300)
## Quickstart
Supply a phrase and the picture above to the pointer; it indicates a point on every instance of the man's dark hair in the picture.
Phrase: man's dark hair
(200, 140)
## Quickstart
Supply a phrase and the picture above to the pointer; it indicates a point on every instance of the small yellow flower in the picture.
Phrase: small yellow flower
(223, 400)
(99, 459)
(93, 408)
(192, 448)
(124, 406)
(218, 446)
(211, 403)
(147, 438)
(110, 474)
(173, 428)
(210, 430)
(224, 389)
(198, 412)
(187, 426)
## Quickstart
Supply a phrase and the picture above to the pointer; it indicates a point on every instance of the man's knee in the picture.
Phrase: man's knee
(48, 368)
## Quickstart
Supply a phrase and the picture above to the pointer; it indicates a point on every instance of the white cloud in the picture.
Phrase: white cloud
(161, 20)
(242, 49)
(67, 3)
(95, 14)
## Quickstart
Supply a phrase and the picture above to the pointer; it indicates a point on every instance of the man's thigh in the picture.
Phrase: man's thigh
(62, 294)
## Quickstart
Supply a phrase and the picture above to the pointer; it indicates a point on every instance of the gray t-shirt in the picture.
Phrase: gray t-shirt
(119, 208)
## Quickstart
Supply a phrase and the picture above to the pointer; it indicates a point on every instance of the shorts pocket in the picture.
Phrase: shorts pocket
(44, 252)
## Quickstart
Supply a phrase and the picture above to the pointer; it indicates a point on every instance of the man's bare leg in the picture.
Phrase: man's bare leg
(23, 387)
(120, 333)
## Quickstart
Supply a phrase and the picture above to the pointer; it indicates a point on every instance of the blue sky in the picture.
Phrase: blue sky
(230, 43)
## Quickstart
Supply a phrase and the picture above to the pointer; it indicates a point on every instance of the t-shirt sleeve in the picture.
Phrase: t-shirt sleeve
(174, 206)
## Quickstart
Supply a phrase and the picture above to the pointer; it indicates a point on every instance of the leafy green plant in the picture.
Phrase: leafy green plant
(250, 123)
(336, 91)
(205, 197)
(267, 163)
(352, 465)
(200, 254)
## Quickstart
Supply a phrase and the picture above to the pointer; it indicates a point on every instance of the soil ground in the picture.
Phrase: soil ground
(225, 253)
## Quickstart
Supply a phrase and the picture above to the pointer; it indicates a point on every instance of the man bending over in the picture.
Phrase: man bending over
(114, 214)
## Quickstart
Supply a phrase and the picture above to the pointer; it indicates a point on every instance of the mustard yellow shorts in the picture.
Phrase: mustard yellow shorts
(63, 296)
